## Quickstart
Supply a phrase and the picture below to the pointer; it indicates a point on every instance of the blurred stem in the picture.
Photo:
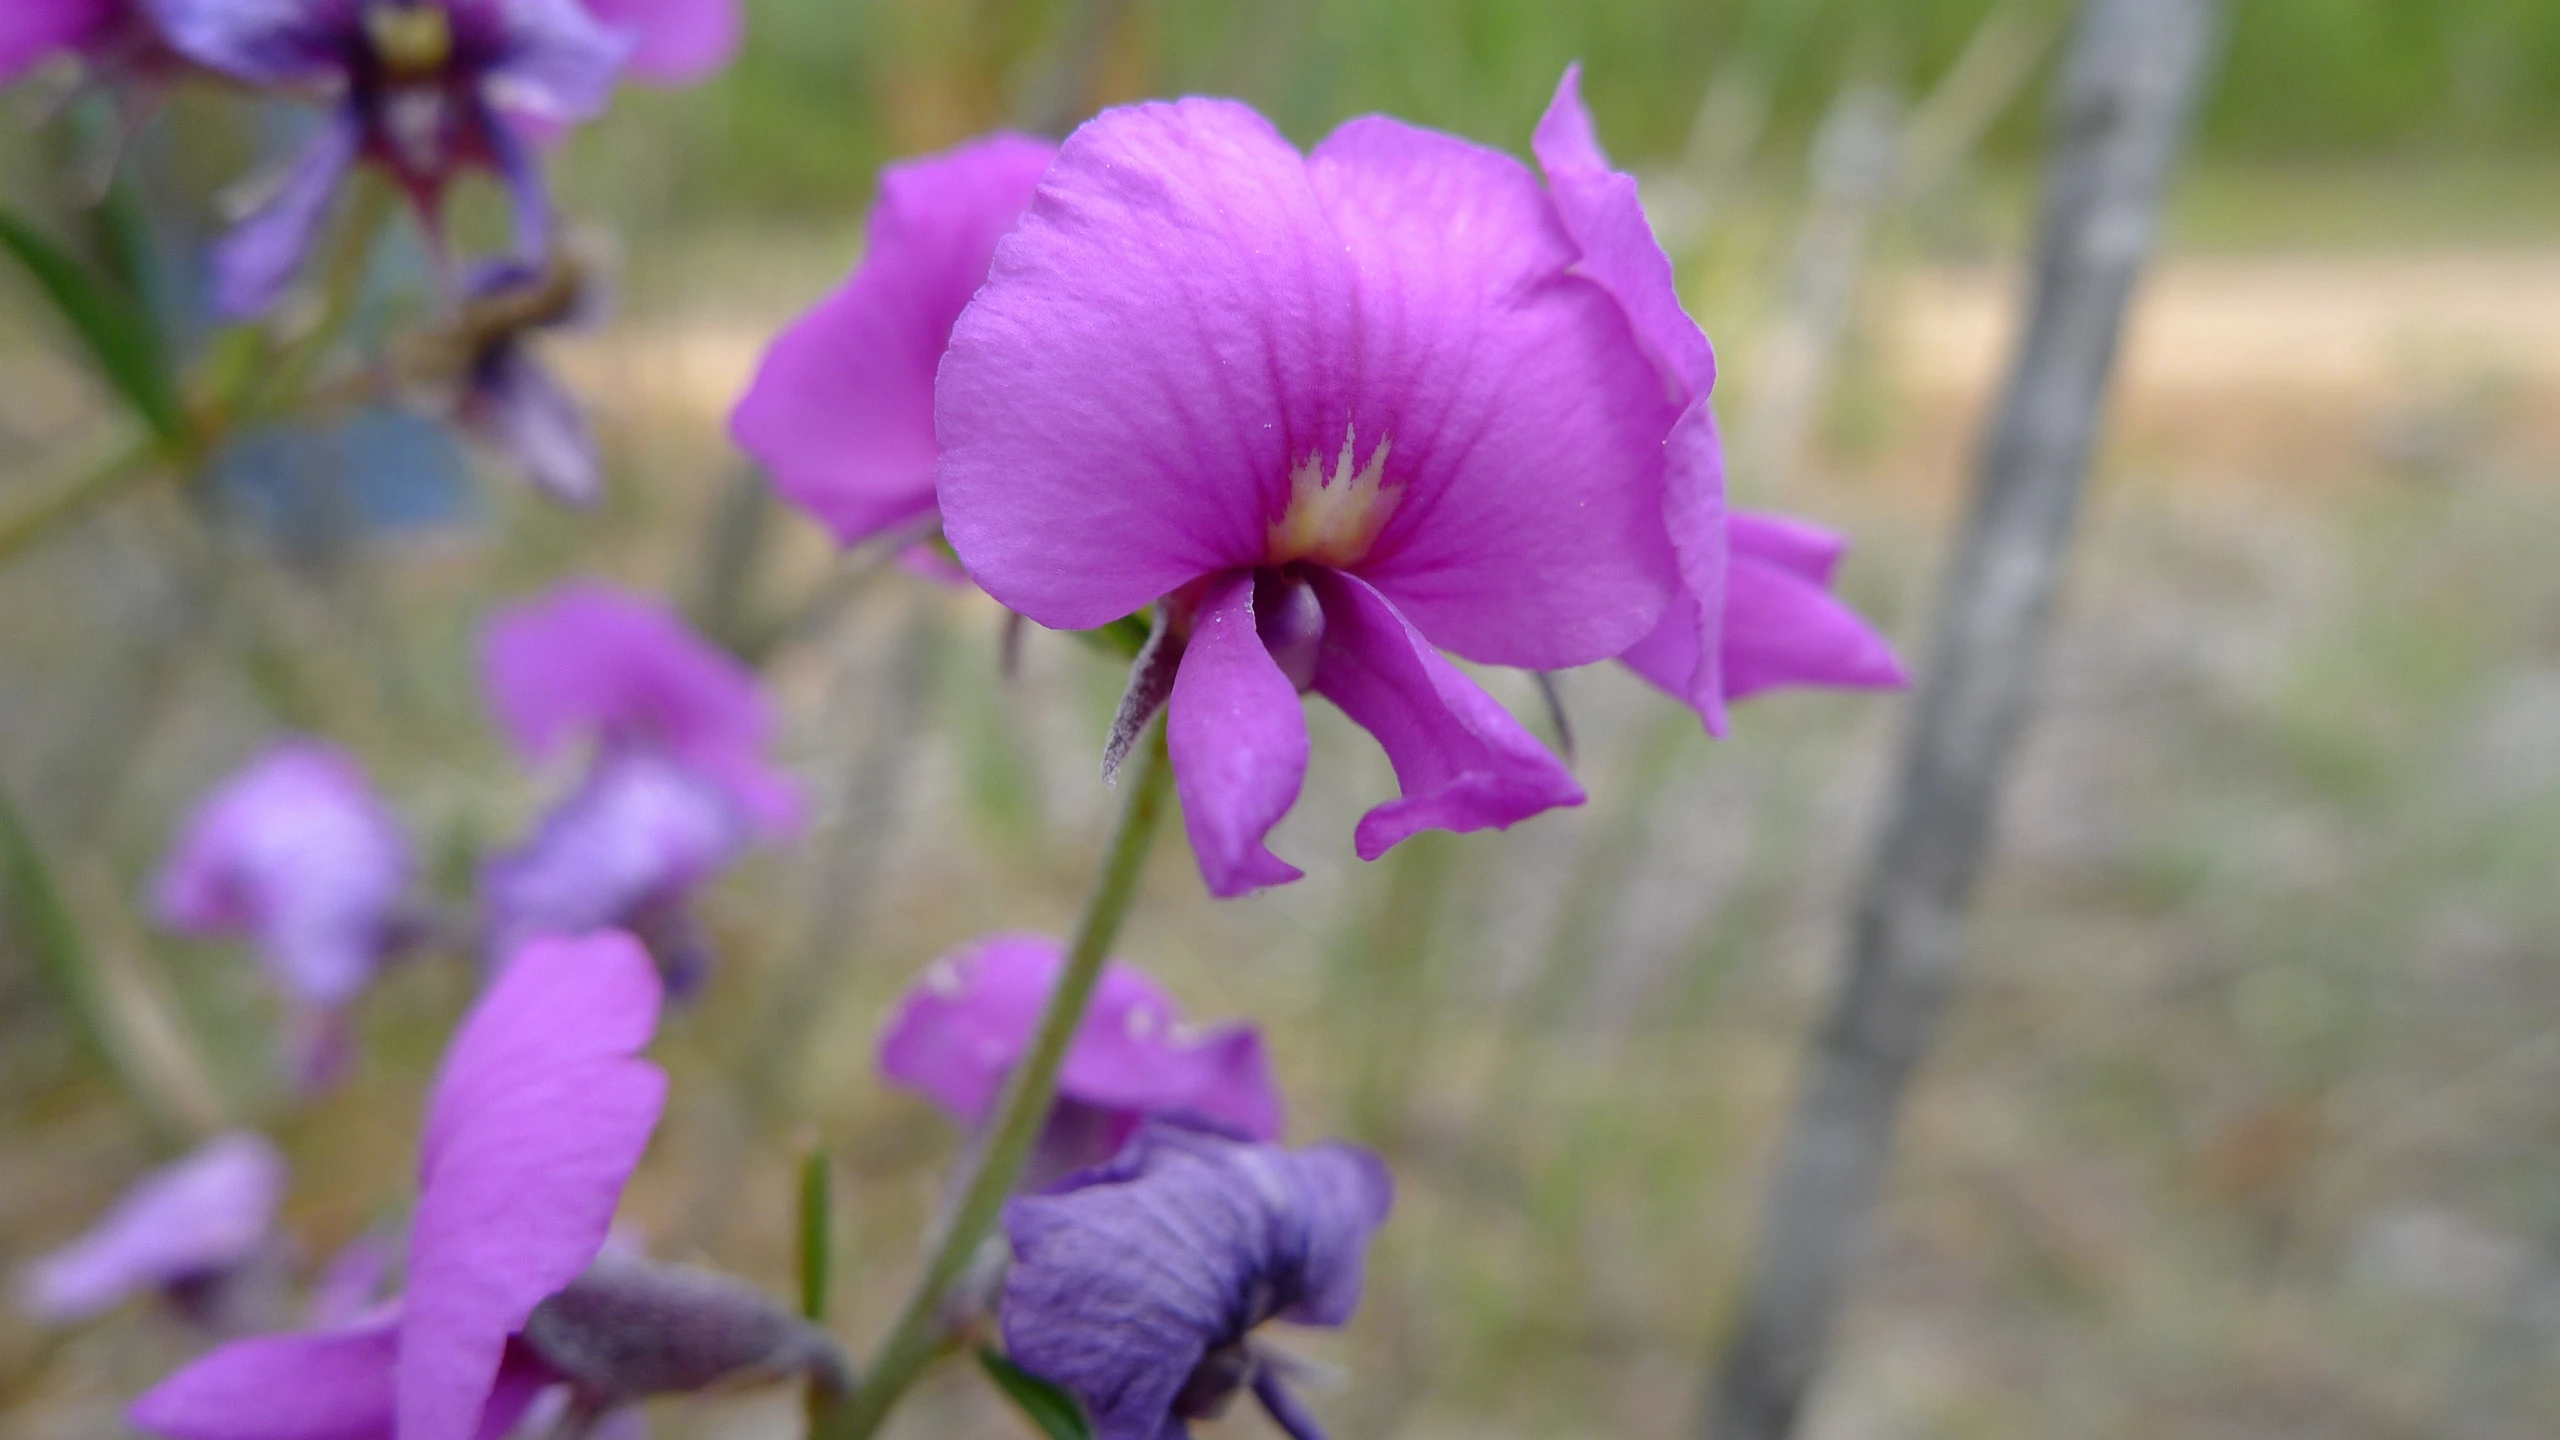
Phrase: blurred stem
(105, 483)
(817, 1206)
(342, 278)
(919, 1334)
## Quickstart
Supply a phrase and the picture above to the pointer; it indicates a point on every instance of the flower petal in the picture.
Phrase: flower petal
(964, 1025)
(1237, 733)
(1600, 208)
(328, 1385)
(680, 41)
(556, 62)
(205, 1214)
(1164, 335)
(538, 1116)
(296, 850)
(1463, 762)
(841, 411)
(31, 30)
(522, 410)
(1521, 420)
(267, 43)
(253, 265)
(1782, 627)
(1128, 1274)
(639, 830)
(586, 660)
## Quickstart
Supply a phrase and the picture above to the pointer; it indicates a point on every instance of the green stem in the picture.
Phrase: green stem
(26, 527)
(918, 1336)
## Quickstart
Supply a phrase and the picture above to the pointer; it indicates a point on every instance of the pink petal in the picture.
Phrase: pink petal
(1462, 761)
(965, 1024)
(31, 30)
(841, 411)
(539, 1114)
(679, 41)
(1238, 736)
(331, 1385)
(586, 661)
(1522, 423)
(1163, 336)
(203, 1215)
(1693, 511)
(1797, 546)
(1601, 209)
(1782, 626)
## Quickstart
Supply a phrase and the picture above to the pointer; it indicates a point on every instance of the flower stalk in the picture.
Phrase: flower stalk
(918, 1335)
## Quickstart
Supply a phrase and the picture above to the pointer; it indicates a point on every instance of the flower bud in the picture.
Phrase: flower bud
(632, 1328)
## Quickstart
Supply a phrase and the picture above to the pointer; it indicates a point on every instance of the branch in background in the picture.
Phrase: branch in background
(2127, 90)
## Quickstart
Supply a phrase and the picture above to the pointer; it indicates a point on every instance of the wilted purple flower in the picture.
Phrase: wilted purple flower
(296, 854)
(677, 786)
(1340, 411)
(187, 1230)
(1753, 610)
(966, 1022)
(538, 1116)
(509, 398)
(1137, 1285)
(841, 411)
(422, 89)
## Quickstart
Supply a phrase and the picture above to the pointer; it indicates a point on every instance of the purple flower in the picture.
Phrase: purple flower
(677, 786)
(186, 1229)
(510, 400)
(968, 1019)
(297, 854)
(1137, 1285)
(1342, 411)
(33, 31)
(1754, 610)
(422, 89)
(841, 411)
(677, 42)
(538, 1116)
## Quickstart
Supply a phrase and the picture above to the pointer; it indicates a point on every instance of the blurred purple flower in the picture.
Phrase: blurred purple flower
(421, 89)
(103, 33)
(1342, 410)
(967, 1020)
(186, 1229)
(297, 854)
(1137, 1284)
(538, 1116)
(512, 402)
(841, 410)
(677, 785)
(1754, 609)
(675, 42)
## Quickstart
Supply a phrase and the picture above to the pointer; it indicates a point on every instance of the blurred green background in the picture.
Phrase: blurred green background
(2244, 1125)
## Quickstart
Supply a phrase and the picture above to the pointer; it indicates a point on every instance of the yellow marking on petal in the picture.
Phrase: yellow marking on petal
(1334, 519)
(412, 40)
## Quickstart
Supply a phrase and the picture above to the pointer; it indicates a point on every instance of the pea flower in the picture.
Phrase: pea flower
(296, 853)
(191, 1230)
(1754, 609)
(675, 42)
(1339, 412)
(676, 785)
(538, 1115)
(841, 409)
(966, 1022)
(420, 89)
(1137, 1285)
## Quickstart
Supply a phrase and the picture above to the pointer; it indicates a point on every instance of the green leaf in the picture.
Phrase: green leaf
(35, 919)
(119, 333)
(1056, 1412)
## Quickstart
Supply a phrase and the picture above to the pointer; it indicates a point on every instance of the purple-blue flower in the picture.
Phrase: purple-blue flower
(965, 1023)
(420, 89)
(677, 784)
(187, 1230)
(298, 855)
(1137, 1285)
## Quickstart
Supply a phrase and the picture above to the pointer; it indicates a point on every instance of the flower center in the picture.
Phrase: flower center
(1334, 518)
(411, 40)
